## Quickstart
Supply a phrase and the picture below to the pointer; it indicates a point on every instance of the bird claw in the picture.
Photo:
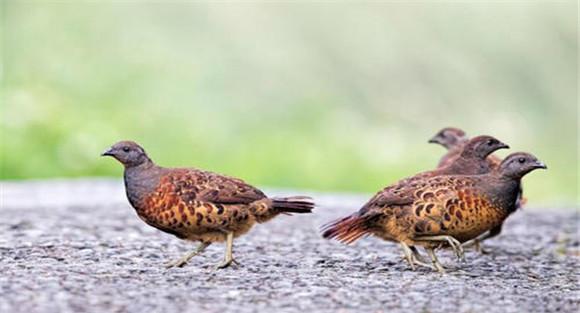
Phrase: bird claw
(457, 248)
(476, 244)
(227, 263)
(177, 263)
(413, 257)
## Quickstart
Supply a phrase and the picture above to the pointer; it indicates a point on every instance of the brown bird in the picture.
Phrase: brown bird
(197, 205)
(455, 140)
(472, 160)
(439, 211)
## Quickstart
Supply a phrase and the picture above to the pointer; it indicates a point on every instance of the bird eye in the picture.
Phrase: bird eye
(491, 142)
(522, 160)
(126, 149)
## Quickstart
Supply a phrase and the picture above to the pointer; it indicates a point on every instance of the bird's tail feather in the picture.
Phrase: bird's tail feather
(296, 204)
(347, 230)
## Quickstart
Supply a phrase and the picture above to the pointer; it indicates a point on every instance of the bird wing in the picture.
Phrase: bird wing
(401, 193)
(215, 188)
(450, 205)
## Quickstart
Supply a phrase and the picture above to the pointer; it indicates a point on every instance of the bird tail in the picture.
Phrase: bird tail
(297, 204)
(347, 230)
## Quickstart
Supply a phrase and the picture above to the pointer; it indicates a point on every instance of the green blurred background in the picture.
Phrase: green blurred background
(322, 96)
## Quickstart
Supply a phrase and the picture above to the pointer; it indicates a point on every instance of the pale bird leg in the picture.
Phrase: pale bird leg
(229, 258)
(413, 257)
(182, 261)
(408, 255)
(435, 261)
(477, 241)
(417, 255)
(454, 243)
(476, 244)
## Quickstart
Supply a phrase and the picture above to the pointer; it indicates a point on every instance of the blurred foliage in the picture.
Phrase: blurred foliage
(322, 96)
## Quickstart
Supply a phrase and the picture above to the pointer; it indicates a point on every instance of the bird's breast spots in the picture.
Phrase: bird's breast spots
(199, 218)
(220, 209)
(208, 207)
(459, 215)
(428, 196)
(428, 208)
(418, 210)
(447, 216)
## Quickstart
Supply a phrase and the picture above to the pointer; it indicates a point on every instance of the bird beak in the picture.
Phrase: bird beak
(504, 146)
(433, 140)
(108, 152)
(540, 165)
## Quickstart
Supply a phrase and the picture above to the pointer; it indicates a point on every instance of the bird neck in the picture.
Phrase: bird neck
(503, 191)
(140, 181)
(469, 165)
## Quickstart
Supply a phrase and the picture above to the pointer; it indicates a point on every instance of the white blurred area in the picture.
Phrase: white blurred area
(327, 96)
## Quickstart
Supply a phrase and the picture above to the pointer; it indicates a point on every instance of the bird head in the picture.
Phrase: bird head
(482, 146)
(518, 164)
(449, 137)
(129, 153)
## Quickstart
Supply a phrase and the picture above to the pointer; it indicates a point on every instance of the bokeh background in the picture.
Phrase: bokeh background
(322, 96)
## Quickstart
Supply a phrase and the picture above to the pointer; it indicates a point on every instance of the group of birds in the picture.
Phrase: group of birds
(463, 201)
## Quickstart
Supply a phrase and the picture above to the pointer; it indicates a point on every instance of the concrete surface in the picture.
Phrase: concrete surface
(77, 246)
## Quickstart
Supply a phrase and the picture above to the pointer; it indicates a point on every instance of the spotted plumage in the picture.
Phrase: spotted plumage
(197, 205)
(455, 141)
(438, 211)
(471, 161)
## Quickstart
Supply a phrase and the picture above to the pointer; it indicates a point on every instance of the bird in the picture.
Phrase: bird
(471, 161)
(439, 211)
(455, 140)
(197, 205)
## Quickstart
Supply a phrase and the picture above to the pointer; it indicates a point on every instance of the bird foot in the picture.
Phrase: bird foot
(457, 248)
(438, 267)
(477, 246)
(227, 263)
(177, 263)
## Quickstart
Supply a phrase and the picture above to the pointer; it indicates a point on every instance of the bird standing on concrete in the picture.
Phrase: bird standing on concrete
(197, 205)
(438, 211)
(472, 160)
(455, 140)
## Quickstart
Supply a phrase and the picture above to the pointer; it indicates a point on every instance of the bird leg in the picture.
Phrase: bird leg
(476, 243)
(435, 261)
(182, 261)
(413, 257)
(454, 243)
(228, 258)
(408, 255)
(417, 255)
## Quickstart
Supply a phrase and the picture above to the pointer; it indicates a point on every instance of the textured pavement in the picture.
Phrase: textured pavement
(77, 246)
